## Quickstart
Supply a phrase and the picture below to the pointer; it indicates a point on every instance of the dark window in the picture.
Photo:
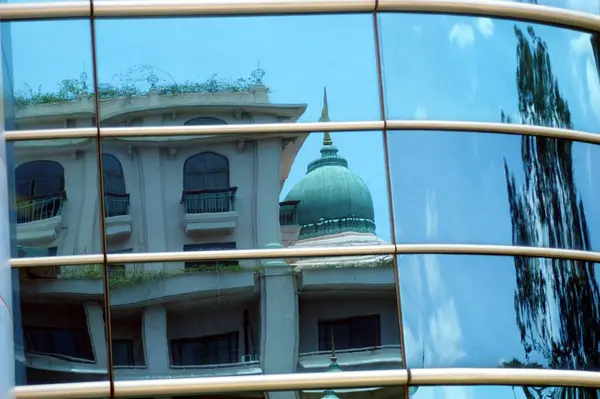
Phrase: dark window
(39, 179)
(39, 189)
(112, 172)
(116, 199)
(352, 333)
(123, 354)
(215, 349)
(209, 247)
(63, 342)
(206, 171)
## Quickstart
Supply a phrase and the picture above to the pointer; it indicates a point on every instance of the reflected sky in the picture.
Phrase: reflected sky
(459, 311)
(450, 187)
(487, 392)
(421, 52)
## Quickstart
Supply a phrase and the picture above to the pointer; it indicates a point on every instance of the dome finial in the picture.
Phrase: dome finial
(325, 118)
(325, 110)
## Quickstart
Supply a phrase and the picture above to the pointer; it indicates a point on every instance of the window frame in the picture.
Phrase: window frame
(324, 328)
(177, 348)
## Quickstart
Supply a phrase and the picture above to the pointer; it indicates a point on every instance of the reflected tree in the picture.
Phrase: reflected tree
(556, 300)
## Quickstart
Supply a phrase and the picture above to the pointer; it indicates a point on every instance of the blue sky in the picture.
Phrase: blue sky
(448, 187)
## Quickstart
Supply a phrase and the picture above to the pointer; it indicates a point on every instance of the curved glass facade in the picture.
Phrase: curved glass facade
(340, 199)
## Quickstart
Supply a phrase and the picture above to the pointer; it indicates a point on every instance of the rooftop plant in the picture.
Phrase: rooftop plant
(137, 81)
(126, 278)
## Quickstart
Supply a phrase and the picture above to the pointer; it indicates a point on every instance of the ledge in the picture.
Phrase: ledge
(118, 227)
(40, 231)
(197, 224)
(289, 234)
(340, 279)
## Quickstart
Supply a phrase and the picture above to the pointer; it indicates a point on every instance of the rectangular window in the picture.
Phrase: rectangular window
(351, 333)
(123, 354)
(127, 340)
(214, 349)
(209, 247)
(73, 343)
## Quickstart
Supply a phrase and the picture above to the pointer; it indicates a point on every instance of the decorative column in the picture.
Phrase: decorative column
(87, 238)
(268, 187)
(279, 321)
(156, 239)
(94, 312)
(155, 340)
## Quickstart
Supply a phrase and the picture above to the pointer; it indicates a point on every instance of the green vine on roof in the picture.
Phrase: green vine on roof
(127, 278)
(130, 277)
(139, 81)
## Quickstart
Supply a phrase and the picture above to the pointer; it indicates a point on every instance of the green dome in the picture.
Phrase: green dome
(332, 198)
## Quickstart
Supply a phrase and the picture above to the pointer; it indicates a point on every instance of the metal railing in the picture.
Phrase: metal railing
(116, 204)
(288, 213)
(40, 208)
(209, 201)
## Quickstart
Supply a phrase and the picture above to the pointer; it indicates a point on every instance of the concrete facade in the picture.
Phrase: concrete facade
(173, 320)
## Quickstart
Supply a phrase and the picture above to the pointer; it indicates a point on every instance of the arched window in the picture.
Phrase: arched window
(112, 173)
(116, 199)
(204, 121)
(39, 179)
(39, 187)
(206, 171)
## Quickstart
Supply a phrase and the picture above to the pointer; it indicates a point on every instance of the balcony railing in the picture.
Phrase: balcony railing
(288, 213)
(40, 208)
(116, 204)
(209, 201)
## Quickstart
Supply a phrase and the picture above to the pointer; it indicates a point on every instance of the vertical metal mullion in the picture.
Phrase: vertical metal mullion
(107, 318)
(388, 179)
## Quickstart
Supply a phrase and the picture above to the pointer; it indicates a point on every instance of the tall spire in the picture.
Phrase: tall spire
(325, 118)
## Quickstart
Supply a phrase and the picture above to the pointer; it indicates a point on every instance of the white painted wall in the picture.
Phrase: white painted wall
(153, 172)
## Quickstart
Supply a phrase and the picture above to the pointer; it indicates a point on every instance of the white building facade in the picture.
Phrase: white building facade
(195, 193)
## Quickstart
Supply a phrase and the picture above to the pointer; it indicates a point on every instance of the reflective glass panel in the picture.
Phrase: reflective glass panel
(231, 70)
(499, 311)
(62, 337)
(321, 392)
(56, 197)
(502, 391)
(50, 66)
(478, 188)
(501, 71)
(199, 193)
(251, 317)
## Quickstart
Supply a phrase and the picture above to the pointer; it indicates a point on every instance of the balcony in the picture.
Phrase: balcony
(118, 218)
(288, 222)
(209, 211)
(39, 219)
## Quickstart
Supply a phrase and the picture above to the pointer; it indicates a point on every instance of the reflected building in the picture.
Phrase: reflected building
(197, 193)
